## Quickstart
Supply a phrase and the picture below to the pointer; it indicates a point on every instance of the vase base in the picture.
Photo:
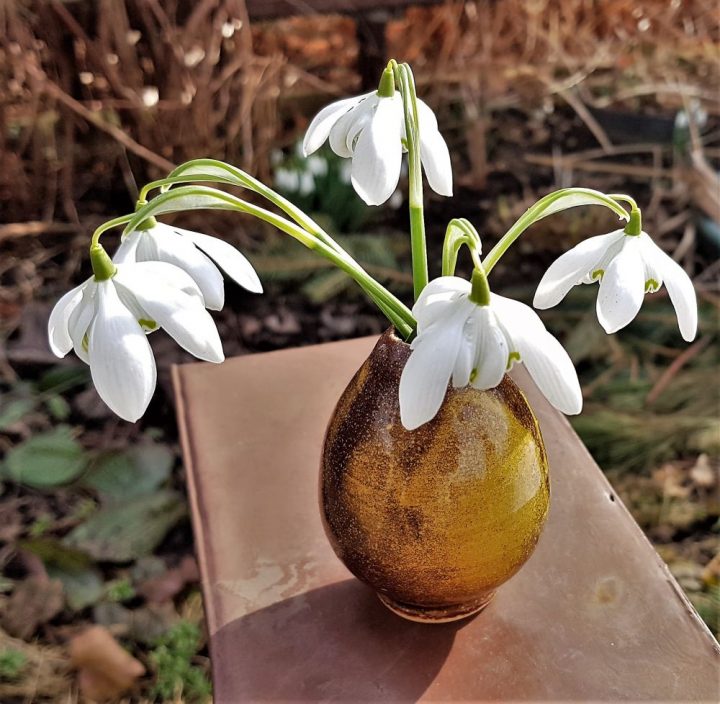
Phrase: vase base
(441, 614)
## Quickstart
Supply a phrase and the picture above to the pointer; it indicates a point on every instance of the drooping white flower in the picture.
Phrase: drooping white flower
(461, 341)
(369, 129)
(197, 254)
(106, 322)
(627, 267)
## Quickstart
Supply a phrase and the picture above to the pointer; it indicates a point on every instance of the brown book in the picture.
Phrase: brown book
(594, 614)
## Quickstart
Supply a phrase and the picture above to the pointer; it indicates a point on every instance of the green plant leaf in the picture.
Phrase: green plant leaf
(59, 408)
(46, 460)
(61, 378)
(82, 582)
(126, 530)
(15, 410)
(133, 472)
(82, 587)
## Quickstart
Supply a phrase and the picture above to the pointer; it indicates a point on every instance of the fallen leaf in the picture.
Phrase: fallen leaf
(34, 601)
(105, 669)
(125, 531)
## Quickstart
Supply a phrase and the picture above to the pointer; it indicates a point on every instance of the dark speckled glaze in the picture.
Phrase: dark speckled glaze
(437, 518)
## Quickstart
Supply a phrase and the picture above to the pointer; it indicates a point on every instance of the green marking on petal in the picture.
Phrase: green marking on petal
(651, 285)
(473, 375)
(85, 342)
(512, 357)
(147, 324)
(597, 274)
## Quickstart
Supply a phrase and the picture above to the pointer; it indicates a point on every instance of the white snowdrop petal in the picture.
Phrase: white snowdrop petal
(491, 353)
(229, 259)
(174, 248)
(544, 357)
(426, 116)
(323, 122)
(439, 297)
(134, 277)
(570, 268)
(435, 159)
(425, 378)
(622, 288)
(466, 354)
(58, 334)
(554, 373)
(378, 154)
(127, 250)
(121, 361)
(679, 286)
(183, 317)
(81, 318)
(347, 128)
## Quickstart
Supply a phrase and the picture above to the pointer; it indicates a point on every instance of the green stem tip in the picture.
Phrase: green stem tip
(634, 225)
(480, 291)
(102, 266)
(386, 89)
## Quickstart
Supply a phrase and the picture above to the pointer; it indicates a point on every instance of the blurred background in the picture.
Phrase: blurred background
(97, 98)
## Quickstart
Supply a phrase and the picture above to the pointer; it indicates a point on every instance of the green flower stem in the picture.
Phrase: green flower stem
(404, 78)
(115, 222)
(204, 197)
(624, 199)
(551, 203)
(459, 232)
(221, 172)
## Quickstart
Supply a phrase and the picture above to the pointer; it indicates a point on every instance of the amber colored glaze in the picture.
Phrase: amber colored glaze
(437, 518)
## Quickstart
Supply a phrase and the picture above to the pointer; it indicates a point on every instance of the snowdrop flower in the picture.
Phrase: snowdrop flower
(627, 266)
(194, 253)
(369, 129)
(468, 343)
(105, 322)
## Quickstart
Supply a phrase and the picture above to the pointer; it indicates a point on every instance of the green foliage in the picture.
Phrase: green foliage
(639, 412)
(175, 675)
(24, 398)
(12, 663)
(282, 260)
(82, 581)
(126, 530)
(140, 469)
(46, 460)
(119, 590)
(320, 185)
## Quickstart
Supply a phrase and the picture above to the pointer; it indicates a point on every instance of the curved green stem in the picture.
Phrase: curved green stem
(221, 172)
(550, 204)
(95, 240)
(624, 199)
(194, 197)
(404, 78)
(459, 232)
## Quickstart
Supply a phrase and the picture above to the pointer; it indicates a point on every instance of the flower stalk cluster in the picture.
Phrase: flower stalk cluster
(461, 333)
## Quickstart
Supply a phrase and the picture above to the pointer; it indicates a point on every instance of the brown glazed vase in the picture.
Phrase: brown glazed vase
(437, 518)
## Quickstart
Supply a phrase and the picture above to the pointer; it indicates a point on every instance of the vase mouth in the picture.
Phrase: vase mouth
(391, 335)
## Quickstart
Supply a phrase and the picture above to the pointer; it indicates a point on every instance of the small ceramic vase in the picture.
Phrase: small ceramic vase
(434, 519)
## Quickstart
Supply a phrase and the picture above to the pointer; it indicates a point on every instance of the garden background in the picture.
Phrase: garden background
(99, 590)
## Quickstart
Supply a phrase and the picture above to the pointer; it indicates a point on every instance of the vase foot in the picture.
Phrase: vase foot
(440, 614)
